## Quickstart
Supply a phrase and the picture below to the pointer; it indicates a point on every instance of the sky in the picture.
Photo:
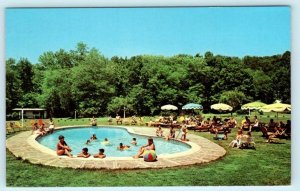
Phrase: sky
(230, 31)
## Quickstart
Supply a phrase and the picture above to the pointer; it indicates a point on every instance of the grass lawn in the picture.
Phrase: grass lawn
(269, 164)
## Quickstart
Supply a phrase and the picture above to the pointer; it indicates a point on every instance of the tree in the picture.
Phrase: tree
(93, 84)
(57, 95)
(13, 85)
(25, 73)
(83, 79)
(118, 104)
(233, 98)
(262, 86)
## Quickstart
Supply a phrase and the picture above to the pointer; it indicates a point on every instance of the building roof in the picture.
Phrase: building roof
(29, 109)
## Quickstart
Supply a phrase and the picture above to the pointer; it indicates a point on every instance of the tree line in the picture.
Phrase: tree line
(86, 81)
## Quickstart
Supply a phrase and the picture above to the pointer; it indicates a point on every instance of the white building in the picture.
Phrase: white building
(30, 113)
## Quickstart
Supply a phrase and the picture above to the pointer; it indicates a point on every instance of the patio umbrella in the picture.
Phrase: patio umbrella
(221, 107)
(253, 106)
(277, 107)
(168, 107)
(192, 106)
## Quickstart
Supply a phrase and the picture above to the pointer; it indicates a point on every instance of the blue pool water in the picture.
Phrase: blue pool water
(77, 137)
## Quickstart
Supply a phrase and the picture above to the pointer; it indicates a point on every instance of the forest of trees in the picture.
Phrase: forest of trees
(85, 80)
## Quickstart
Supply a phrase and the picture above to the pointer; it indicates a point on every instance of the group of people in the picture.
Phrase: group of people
(217, 126)
(63, 148)
(250, 125)
(172, 133)
(40, 128)
(278, 130)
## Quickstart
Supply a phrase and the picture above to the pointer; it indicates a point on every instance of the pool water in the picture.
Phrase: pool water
(77, 137)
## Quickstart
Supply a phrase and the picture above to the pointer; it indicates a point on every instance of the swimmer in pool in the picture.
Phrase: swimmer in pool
(123, 147)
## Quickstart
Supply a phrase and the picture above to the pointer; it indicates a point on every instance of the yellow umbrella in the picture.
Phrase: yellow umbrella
(277, 107)
(221, 107)
(168, 107)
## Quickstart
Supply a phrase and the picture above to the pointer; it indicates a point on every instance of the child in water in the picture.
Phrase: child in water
(93, 137)
(100, 154)
(88, 142)
(133, 142)
(105, 142)
(84, 153)
(123, 147)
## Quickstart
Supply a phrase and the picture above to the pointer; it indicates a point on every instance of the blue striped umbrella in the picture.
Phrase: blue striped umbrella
(192, 106)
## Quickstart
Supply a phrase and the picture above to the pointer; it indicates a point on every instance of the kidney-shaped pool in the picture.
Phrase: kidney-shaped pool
(77, 137)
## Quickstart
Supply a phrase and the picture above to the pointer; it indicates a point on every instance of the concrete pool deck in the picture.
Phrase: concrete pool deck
(25, 146)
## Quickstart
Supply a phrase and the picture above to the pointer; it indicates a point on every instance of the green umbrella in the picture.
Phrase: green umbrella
(253, 106)
(277, 107)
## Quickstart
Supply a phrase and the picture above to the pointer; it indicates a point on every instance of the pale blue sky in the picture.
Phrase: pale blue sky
(232, 31)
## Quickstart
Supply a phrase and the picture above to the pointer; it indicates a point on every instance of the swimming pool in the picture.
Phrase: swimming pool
(77, 137)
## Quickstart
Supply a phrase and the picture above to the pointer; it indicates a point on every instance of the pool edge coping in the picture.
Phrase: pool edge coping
(32, 140)
(167, 160)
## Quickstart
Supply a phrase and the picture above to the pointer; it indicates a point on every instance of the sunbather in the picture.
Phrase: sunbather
(255, 125)
(93, 121)
(272, 125)
(184, 132)
(41, 131)
(51, 126)
(171, 134)
(62, 147)
(236, 141)
(118, 119)
(232, 122)
(159, 132)
(35, 127)
(246, 123)
(149, 146)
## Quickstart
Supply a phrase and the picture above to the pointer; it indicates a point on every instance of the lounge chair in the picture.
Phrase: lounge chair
(9, 128)
(16, 127)
(133, 120)
(19, 126)
(141, 121)
(119, 120)
(202, 128)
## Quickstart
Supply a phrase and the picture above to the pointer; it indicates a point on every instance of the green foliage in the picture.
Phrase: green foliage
(93, 84)
(233, 98)
(83, 79)
(25, 72)
(13, 85)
